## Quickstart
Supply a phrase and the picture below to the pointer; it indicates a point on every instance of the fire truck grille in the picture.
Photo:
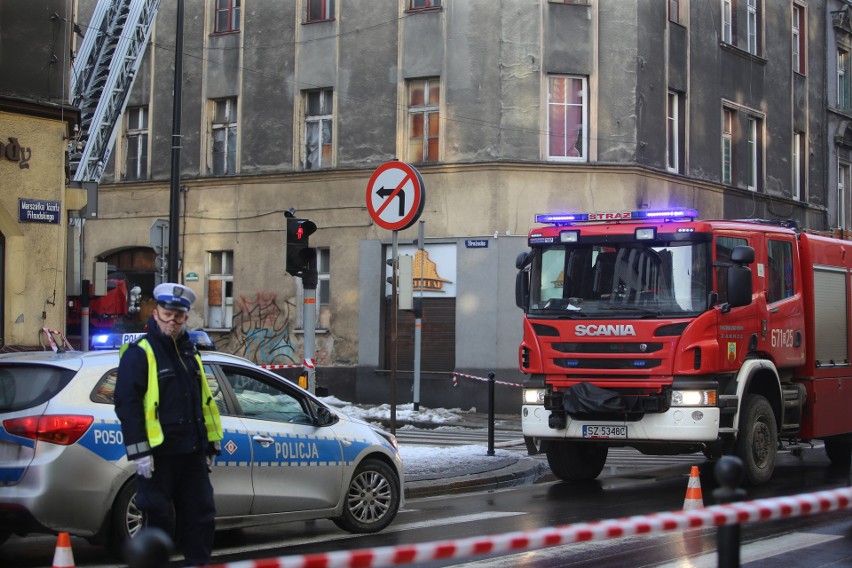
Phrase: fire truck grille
(615, 348)
(632, 364)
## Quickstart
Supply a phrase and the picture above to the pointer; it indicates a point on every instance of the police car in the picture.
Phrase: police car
(286, 455)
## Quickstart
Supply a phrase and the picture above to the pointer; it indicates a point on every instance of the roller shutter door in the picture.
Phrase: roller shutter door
(437, 341)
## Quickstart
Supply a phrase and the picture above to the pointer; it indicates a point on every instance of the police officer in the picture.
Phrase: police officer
(171, 426)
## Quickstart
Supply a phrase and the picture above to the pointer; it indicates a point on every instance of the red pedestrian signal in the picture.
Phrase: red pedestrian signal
(299, 255)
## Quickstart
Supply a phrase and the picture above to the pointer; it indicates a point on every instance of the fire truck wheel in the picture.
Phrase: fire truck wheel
(757, 441)
(575, 461)
(839, 449)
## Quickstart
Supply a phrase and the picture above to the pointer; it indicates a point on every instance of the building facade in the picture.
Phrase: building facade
(36, 207)
(506, 110)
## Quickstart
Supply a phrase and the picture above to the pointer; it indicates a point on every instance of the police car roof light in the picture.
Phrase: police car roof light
(674, 213)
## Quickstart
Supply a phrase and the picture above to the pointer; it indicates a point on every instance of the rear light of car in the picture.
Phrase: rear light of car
(62, 429)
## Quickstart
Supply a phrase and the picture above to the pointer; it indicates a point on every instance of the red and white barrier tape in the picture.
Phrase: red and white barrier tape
(308, 364)
(52, 334)
(456, 383)
(708, 517)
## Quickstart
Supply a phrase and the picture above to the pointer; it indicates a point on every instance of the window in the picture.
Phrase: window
(136, 162)
(674, 139)
(323, 311)
(227, 16)
(424, 4)
(727, 145)
(780, 270)
(753, 153)
(263, 398)
(724, 247)
(798, 164)
(843, 78)
(727, 21)
(566, 119)
(844, 177)
(220, 289)
(318, 129)
(674, 11)
(424, 98)
(320, 10)
(225, 137)
(753, 26)
(799, 40)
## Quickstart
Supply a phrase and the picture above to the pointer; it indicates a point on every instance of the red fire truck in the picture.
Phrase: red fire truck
(658, 331)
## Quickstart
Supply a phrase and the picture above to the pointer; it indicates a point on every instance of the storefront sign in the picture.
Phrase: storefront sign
(433, 270)
(14, 152)
(37, 211)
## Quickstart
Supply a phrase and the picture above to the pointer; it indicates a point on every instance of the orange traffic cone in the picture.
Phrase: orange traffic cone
(693, 499)
(63, 557)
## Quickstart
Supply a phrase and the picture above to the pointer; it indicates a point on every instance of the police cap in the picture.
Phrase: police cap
(174, 296)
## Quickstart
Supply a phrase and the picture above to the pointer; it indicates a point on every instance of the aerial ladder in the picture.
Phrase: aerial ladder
(102, 75)
(101, 79)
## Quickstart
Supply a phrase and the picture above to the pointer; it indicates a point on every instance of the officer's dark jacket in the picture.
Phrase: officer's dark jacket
(179, 410)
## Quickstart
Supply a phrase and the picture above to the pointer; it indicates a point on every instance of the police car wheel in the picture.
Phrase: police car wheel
(126, 517)
(372, 499)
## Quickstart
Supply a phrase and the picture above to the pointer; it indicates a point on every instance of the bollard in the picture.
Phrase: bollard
(491, 376)
(150, 548)
(729, 474)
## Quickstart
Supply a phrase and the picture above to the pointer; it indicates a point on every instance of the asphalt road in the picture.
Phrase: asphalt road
(623, 490)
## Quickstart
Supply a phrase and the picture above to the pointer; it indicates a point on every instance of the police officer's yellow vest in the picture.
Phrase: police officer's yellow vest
(212, 420)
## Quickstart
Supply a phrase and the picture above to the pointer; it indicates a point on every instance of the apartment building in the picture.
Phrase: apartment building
(506, 109)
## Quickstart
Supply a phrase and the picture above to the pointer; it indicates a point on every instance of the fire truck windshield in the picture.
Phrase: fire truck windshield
(624, 280)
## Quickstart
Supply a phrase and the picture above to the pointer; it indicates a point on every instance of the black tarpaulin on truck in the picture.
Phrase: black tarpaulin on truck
(586, 400)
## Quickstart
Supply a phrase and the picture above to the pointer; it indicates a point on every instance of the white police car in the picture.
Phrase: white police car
(286, 455)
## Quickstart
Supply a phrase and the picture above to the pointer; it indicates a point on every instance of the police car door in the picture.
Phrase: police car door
(231, 476)
(296, 465)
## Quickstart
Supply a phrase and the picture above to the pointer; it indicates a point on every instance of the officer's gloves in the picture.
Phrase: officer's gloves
(210, 460)
(145, 466)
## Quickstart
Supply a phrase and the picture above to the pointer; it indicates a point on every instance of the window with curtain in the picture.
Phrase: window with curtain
(318, 129)
(136, 134)
(567, 118)
(224, 131)
(424, 99)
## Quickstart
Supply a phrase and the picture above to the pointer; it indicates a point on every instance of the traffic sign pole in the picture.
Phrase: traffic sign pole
(394, 312)
(401, 183)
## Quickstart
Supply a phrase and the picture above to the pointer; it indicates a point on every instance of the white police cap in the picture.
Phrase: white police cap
(174, 296)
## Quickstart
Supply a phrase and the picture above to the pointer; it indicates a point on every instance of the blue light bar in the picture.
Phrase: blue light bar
(639, 214)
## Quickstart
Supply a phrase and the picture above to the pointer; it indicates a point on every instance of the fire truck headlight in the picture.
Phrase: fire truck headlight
(694, 398)
(534, 396)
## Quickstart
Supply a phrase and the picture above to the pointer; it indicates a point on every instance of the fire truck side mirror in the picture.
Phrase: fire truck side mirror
(522, 289)
(739, 277)
(523, 259)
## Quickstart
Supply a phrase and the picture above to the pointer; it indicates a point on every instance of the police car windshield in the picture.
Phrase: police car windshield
(632, 280)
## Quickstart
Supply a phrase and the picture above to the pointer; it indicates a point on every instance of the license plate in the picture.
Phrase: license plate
(604, 431)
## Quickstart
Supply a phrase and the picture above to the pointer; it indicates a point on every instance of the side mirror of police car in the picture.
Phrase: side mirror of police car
(325, 417)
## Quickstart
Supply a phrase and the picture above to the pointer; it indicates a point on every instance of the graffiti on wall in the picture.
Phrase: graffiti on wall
(261, 327)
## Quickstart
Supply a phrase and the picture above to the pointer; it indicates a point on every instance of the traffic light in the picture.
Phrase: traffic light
(299, 255)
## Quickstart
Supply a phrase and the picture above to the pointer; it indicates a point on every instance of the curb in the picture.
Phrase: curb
(515, 474)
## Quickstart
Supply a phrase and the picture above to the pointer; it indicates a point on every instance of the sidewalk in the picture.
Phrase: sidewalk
(476, 470)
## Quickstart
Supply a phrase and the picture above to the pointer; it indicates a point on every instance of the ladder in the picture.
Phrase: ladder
(102, 75)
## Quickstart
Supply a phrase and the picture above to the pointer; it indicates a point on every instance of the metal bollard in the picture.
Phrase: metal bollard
(150, 548)
(729, 474)
(491, 376)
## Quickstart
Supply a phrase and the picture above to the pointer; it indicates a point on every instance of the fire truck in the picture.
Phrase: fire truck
(655, 330)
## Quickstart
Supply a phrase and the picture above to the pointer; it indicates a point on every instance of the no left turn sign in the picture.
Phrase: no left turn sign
(395, 196)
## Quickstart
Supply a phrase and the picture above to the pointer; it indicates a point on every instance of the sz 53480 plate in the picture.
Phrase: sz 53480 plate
(604, 431)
